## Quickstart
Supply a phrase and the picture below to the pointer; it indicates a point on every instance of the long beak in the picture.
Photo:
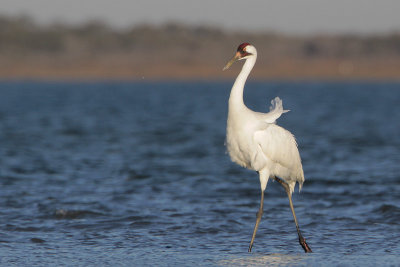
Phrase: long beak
(235, 58)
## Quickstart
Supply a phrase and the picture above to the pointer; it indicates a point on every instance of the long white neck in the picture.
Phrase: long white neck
(236, 97)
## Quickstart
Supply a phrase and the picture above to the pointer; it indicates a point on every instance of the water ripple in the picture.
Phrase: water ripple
(99, 173)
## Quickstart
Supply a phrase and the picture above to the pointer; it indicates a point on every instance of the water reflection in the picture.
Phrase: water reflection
(275, 259)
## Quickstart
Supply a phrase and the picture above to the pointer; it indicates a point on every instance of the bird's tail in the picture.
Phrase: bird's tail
(275, 110)
(277, 106)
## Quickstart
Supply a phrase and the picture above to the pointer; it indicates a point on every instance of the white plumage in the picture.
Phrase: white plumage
(263, 146)
(255, 142)
(253, 139)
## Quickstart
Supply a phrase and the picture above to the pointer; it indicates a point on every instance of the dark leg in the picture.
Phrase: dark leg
(259, 214)
(302, 240)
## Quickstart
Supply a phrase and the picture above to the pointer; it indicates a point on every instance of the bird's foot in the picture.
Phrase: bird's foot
(304, 244)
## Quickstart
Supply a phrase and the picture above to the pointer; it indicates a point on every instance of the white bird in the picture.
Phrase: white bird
(255, 142)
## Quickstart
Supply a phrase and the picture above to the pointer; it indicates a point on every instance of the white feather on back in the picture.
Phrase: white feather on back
(278, 148)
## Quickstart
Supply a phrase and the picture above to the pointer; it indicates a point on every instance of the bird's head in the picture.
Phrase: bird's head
(244, 51)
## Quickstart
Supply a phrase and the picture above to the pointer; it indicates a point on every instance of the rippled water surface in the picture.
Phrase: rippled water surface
(136, 174)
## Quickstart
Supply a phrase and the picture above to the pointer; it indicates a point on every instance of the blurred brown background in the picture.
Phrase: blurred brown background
(96, 50)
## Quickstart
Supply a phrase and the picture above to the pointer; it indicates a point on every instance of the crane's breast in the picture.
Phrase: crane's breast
(240, 145)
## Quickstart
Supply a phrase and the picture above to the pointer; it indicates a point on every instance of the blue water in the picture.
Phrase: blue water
(136, 174)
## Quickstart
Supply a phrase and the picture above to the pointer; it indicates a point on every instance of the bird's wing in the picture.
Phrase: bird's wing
(275, 111)
(280, 148)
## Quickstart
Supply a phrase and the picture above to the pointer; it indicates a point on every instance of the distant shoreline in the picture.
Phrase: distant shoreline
(94, 51)
(293, 70)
